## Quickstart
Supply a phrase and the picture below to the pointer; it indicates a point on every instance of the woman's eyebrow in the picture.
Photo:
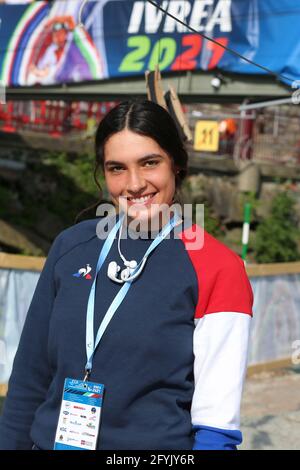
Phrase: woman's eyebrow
(112, 162)
(140, 160)
(150, 155)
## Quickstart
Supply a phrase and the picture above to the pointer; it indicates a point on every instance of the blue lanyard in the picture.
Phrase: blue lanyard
(92, 345)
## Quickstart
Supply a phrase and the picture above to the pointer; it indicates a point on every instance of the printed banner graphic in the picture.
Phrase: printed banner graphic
(43, 42)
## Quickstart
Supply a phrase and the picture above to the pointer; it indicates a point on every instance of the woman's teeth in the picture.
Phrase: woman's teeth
(141, 199)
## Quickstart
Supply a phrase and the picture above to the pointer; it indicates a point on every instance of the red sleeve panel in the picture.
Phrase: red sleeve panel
(223, 285)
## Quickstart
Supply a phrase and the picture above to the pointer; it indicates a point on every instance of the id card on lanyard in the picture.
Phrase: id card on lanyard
(79, 417)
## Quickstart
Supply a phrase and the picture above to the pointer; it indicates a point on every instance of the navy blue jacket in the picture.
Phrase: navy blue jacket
(145, 359)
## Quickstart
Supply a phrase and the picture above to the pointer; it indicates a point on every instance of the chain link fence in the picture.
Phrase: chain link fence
(269, 135)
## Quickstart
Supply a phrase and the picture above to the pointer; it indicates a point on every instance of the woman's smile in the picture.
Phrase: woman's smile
(144, 200)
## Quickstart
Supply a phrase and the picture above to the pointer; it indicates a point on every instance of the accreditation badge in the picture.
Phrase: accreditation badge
(79, 417)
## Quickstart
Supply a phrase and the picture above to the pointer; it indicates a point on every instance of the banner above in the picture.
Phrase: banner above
(43, 43)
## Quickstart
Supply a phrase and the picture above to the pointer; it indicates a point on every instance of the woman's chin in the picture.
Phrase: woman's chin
(151, 218)
(140, 213)
(158, 214)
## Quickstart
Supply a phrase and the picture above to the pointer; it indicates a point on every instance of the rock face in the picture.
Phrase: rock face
(248, 178)
(225, 203)
(222, 195)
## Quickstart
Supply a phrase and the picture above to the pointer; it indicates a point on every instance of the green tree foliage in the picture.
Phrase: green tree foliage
(276, 236)
(212, 224)
(53, 189)
(58, 183)
(74, 187)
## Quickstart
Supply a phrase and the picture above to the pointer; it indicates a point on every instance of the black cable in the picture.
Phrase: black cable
(237, 54)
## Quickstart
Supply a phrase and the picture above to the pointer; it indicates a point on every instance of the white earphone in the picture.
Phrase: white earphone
(127, 273)
(133, 269)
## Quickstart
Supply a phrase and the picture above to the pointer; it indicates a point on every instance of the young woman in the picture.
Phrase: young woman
(172, 356)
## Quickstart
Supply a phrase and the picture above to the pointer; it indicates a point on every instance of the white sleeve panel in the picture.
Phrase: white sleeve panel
(220, 349)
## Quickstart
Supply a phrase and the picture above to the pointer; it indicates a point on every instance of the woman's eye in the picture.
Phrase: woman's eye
(151, 163)
(116, 169)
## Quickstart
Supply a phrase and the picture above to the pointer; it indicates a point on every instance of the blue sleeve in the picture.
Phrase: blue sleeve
(208, 438)
(31, 374)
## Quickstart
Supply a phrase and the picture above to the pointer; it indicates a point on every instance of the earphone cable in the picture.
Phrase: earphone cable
(119, 242)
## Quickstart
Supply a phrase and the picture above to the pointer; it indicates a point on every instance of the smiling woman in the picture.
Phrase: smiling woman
(141, 169)
(142, 156)
(173, 323)
(142, 174)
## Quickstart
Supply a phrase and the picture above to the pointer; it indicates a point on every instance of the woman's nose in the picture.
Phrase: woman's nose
(136, 182)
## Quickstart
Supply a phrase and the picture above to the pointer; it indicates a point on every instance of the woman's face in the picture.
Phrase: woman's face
(139, 174)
